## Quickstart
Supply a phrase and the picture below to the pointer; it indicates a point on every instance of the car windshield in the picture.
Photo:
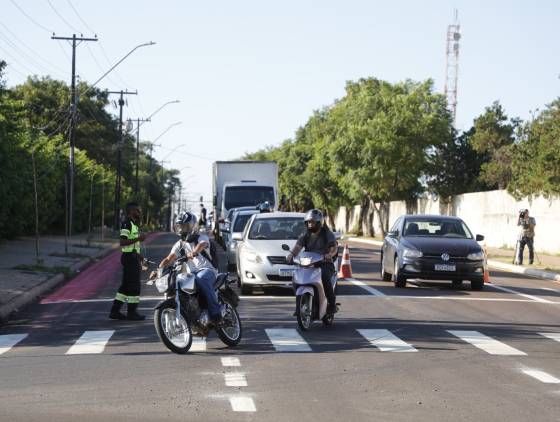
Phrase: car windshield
(240, 222)
(277, 228)
(436, 228)
(238, 196)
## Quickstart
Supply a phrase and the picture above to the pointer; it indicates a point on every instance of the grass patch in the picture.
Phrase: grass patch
(44, 269)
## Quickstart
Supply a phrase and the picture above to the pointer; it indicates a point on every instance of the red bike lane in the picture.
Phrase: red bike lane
(86, 284)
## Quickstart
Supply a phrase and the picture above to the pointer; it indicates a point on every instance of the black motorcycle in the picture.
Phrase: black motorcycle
(183, 313)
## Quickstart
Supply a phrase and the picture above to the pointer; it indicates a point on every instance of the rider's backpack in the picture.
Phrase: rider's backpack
(213, 258)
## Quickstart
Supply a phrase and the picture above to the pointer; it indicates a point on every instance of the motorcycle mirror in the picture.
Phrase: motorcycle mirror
(285, 247)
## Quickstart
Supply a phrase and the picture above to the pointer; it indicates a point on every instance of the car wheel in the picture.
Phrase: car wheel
(457, 283)
(398, 279)
(477, 285)
(385, 276)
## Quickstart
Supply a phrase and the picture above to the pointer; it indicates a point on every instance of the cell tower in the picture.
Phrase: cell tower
(452, 64)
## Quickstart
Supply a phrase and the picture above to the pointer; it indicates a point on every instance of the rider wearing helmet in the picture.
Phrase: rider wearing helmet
(196, 247)
(264, 207)
(319, 239)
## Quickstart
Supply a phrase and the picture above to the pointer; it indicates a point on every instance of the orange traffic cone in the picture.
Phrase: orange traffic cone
(345, 266)
(486, 275)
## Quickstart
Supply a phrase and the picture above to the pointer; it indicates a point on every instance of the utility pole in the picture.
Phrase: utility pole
(119, 155)
(138, 121)
(73, 114)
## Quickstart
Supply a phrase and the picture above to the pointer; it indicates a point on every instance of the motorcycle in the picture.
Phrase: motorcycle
(311, 301)
(183, 312)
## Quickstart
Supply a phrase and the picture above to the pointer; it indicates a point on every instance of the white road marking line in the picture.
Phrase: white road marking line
(386, 341)
(370, 297)
(488, 344)
(7, 341)
(235, 379)
(515, 292)
(229, 361)
(287, 340)
(242, 404)
(552, 336)
(91, 342)
(541, 376)
(198, 344)
(364, 286)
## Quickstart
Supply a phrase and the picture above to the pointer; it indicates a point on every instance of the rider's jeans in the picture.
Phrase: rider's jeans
(327, 271)
(205, 282)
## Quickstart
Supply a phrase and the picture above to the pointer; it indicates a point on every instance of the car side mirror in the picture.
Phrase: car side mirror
(394, 233)
(285, 247)
(479, 238)
(237, 236)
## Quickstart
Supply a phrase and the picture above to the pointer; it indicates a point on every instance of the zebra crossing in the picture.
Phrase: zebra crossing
(290, 340)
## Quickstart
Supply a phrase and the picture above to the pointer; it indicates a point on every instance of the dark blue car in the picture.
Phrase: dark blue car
(432, 247)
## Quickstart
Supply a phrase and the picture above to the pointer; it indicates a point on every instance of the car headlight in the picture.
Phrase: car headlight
(476, 256)
(411, 253)
(252, 256)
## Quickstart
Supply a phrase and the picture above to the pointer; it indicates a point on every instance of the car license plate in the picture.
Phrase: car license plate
(286, 273)
(445, 267)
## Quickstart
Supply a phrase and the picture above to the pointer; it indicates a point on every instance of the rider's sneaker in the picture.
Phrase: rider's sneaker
(332, 308)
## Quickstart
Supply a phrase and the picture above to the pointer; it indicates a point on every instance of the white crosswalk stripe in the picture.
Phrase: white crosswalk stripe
(552, 336)
(541, 376)
(287, 340)
(198, 344)
(235, 379)
(91, 342)
(242, 404)
(386, 341)
(488, 344)
(7, 341)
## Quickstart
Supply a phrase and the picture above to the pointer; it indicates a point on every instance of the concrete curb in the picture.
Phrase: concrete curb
(32, 294)
(545, 275)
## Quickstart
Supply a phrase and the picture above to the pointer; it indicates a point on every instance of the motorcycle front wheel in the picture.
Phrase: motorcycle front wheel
(230, 333)
(304, 309)
(174, 332)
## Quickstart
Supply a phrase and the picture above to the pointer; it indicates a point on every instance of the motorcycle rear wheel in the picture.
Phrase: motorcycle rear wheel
(304, 310)
(232, 331)
(174, 332)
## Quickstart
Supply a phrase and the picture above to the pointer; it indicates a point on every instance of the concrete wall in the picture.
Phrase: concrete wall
(493, 214)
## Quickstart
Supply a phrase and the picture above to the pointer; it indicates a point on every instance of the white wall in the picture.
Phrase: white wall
(493, 214)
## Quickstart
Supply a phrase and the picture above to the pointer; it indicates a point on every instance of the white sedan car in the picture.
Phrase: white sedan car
(260, 258)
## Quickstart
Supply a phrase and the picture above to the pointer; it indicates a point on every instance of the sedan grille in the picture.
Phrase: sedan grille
(279, 260)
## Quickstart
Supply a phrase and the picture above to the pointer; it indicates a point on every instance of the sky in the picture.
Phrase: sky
(249, 73)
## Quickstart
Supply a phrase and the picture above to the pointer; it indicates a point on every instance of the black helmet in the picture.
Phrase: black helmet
(264, 207)
(316, 217)
(186, 224)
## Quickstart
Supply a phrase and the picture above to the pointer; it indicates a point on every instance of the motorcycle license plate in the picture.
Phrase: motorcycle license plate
(286, 272)
(445, 267)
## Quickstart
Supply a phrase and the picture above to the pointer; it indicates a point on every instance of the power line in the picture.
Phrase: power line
(31, 19)
(73, 28)
(79, 17)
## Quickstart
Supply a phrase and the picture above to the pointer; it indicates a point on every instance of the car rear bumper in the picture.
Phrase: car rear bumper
(424, 268)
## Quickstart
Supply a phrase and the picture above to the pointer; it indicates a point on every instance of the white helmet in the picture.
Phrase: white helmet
(186, 224)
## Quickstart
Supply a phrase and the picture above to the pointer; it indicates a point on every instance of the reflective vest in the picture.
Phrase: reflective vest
(130, 231)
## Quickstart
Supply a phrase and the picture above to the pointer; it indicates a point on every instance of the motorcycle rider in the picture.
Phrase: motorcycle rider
(264, 207)
(319, 239)
(196, 247)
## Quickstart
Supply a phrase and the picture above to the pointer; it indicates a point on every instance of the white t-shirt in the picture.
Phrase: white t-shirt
(199, 262)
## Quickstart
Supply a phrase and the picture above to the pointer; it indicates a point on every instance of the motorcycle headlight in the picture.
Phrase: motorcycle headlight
(253, 256)
(305, 261)
(162, 283)
(411, 253)
(476, 256)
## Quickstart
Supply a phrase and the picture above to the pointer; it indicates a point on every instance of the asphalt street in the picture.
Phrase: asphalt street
(424, 353)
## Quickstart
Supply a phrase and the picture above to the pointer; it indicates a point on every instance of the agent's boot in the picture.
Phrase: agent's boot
(132, 314)
(116, 310)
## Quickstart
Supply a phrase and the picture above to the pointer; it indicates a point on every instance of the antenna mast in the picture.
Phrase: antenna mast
(452, 65)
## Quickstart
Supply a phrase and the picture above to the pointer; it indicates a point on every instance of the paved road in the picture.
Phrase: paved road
(428, 352)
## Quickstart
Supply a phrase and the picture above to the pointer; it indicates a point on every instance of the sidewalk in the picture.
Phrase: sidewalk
(545, 266)
(22, 280)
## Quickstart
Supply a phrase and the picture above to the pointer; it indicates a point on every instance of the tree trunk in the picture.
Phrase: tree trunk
(370, 214)
(383, 221)
(363, 211)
